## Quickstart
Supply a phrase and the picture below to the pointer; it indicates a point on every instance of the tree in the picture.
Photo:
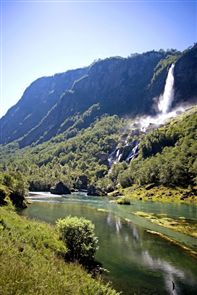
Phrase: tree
(79, 237)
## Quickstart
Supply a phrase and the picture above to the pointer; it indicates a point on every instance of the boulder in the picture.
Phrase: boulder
(149, 186)
(2, 196)
(60, 189)
(93, 191)
(18, 200)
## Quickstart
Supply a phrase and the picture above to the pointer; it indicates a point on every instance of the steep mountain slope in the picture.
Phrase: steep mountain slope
(35, 103)
(117, 85)
(123, 86)
(185, 74)
(79, 159)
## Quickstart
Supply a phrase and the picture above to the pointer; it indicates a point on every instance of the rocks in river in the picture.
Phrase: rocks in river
(123, 201)
(60, 189)
(93, 191)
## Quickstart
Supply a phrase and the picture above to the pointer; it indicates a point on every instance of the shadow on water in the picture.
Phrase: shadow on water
(137, 261)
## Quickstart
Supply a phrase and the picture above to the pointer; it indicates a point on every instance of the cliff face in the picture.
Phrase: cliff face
(185, 74)
(36, 102)
(123, 86)
(117, 85)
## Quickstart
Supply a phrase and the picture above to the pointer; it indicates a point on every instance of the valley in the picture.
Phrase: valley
(114, 142)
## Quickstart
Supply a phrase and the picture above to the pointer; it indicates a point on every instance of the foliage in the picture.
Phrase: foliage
(31, 261)
(70, 161)
(123, 201)
(78, 235)
(164, 63)
(160, 193)
(13, 186)
(167, 156)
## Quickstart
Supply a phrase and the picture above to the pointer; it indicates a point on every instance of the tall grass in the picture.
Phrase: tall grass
(32, 261)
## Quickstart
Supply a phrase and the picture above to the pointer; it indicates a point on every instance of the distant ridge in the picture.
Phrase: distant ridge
(68, 102)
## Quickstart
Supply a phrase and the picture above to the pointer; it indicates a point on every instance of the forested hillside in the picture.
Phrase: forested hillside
(91, 138)
(167, 156)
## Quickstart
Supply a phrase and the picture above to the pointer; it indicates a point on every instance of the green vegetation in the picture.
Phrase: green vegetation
(167, 157)
(124, 201)
(166, 161)
(78, 235)
(13, 189)
(78, 162)
(181, 224)
(159, 193)
(32, 261)
(164, 63)
(33, 254)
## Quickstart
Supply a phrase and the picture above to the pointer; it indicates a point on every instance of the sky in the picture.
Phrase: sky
(41, 38)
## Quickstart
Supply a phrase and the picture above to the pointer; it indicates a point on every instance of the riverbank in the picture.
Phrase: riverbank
(32, 261)
(181, 224)
(156, 193)
(136, 260)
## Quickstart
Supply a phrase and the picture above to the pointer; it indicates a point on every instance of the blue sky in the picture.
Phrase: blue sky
(41, 38)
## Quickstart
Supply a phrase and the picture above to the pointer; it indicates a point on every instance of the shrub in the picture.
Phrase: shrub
(3, 194)
(123, 201)
(78, 235)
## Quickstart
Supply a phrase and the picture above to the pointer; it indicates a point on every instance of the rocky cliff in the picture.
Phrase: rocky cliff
(36, 102)
(124, 86)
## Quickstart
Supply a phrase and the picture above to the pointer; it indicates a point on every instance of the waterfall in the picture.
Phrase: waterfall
(130, 150)
(166, 99)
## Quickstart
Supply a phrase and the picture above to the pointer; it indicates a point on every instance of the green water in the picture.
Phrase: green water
(138, 261)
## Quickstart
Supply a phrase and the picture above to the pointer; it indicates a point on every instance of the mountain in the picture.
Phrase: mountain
(185, 74)
(115, 85)
(69, 102)
(36, 102)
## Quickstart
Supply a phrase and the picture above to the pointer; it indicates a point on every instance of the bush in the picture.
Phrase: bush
(124, 201)
(3, 194)
(78, 235)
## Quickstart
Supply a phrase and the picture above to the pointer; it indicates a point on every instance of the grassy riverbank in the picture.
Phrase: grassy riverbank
(180, 224)
(157, 193)
(32, 261)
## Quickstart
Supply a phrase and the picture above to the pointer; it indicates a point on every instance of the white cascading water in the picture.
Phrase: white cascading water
(143, 124)
(166, 99)
(164, 104)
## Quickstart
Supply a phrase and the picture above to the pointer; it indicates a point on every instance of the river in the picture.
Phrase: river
(138, 262)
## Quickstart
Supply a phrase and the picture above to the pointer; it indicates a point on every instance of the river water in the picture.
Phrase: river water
(138, 262)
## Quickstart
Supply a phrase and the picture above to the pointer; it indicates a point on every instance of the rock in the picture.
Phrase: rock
(2, 197)
(115, 193)
(149, 186)
(81, 182)
(102, 156)
(18, 200)
(60, 189)
(92, 191)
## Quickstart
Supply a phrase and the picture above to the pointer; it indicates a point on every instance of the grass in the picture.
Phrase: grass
(180, 224)
(124, 201)
(159, 193)
(32, 261)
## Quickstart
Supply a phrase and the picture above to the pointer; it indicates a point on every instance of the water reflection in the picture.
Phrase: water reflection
(138, 262)
(140, 255)
(170, 272)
